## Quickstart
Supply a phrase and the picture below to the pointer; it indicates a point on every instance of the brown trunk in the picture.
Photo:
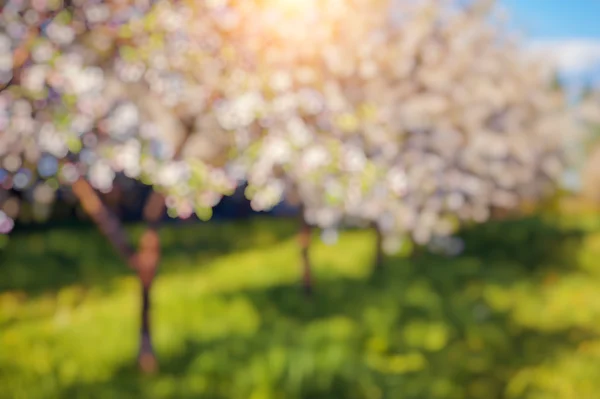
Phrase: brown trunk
(378, 246)
(108, 224)
(417, 252)
(147, 260)
(499, 213)
(144, 261)
(146, 358)
(304, 240)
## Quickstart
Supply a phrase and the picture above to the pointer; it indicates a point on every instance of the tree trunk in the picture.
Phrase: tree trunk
(304, 239)
(107, 223)
(418, 251)
(144, 261)
(147, 361)
(378, 262)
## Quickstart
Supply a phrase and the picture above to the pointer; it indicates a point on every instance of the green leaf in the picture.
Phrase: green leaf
(74, 145)
(204, 213)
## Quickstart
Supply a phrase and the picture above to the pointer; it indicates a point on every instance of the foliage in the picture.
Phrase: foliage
(514, 316)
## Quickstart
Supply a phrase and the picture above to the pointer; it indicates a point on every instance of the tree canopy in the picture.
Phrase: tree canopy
(415, 116)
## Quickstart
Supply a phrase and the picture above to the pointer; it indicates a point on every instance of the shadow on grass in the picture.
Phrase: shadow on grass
(533, 242)
(44, 260)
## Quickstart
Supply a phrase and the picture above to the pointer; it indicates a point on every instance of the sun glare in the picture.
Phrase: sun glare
(295, 6)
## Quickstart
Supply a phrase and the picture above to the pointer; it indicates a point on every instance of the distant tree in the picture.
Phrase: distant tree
(589, 150)
(293, 120)
(413, 116)
(471, 122)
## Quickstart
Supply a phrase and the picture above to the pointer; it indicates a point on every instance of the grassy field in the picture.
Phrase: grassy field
(517, 315)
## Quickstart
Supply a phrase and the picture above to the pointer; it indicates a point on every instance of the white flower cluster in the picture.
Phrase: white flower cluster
(415, 116)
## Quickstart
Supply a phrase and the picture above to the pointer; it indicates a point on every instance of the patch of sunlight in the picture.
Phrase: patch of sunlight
(351, 256)
(571, 301)
(421, 294)
(333, 328)
(428, 336)
(259, 268)
(570, 376)
(397, 364)
(269, 266)
(68, 330)
(589, 254)
(206, 319)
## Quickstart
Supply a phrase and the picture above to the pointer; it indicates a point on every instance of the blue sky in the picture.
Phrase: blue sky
(557, 19)
(567, 30)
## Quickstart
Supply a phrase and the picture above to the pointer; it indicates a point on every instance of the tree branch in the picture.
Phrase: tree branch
(107, 222)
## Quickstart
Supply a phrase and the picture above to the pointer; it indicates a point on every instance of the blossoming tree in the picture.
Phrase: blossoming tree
(74, 111)
(415, 116)
(471, 122)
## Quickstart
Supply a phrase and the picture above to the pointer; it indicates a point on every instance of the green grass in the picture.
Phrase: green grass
(517, 315)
